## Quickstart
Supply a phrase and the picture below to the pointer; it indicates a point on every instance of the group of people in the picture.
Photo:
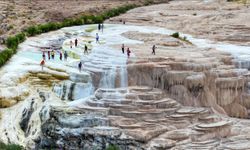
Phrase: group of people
(128, 50)
(71, 43)
(51, 55)
(100, 27)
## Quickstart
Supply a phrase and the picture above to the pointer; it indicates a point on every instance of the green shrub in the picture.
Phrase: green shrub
(5, 55)
(10, 147)
(176, 35)
(112, 147)
(32, 30)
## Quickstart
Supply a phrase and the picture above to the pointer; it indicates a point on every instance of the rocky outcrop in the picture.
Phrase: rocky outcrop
(138, 118)
(195, 84)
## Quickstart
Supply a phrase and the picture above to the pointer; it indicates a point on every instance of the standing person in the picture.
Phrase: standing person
(124, 22)
(42, 63)
(65, 55)
(97, 38)
(44, 57)
(60, 55)
(53, 54)
(102, 27)
(123, 48)
(85, 49)
(153, 49)
(80, 66)
(76, 42)
(128, 52)
(99, 27)
(48, 54)
(71, 44)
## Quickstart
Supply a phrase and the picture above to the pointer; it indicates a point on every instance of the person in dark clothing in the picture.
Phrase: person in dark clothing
(85, 49)
(44, 57)
(123, 48)
(65, 55)
(53, 54)
(60, 55)
(153, 49)
(49, 55)
(99, 26)
(128, 52)
(76, 42)
(80, 66)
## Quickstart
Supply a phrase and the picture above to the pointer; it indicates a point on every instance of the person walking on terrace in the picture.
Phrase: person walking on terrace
(42, 63)
(60, 55)
(53, 54)
(85, 49)
(99, 27)
(123, 48)
(65, 55)
(153, 49)
(80, 66)
(102, 27)
(71, 44)
(128, 52)
(49, 54)
(97, 38)
(44, 57)
(76, 42)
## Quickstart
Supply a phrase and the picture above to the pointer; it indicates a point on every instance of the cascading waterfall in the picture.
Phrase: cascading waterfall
(123, 77)
(108, 78)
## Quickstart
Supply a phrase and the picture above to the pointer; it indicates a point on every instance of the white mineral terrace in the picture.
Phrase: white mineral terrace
(104, 76)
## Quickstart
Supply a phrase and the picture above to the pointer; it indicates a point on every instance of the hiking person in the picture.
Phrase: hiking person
(65, 55)
(123, 48)
(44, 57)
(128, 52)
(80, 66)
(76, 42)
(53, 54)
(85, 49)
(48, 54)
(71, 44)
(42, 63)
(60, 55)
(97, 38)
(124, 22)
(99, 27)
(153, 49)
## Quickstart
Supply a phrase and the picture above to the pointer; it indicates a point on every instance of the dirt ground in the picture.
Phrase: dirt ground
(15, 15)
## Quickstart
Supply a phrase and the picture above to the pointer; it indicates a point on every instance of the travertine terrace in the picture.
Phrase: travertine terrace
(193, 94)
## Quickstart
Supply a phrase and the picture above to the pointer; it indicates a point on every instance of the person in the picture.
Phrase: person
(85, 49)
(153, 49)
(42, 63)
(60, 55)
(76, 42)
(65, 55)
(124, 22)
(128, 52)
(48, 54)
(43, 55)
(123, 48)
(71, 44)
(97, 38)
(53, 54)
(80, 66)
(99, 26)
(102, 27)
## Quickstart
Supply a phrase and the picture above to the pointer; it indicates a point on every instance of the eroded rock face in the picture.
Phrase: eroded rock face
(145, 120)
(222, 90)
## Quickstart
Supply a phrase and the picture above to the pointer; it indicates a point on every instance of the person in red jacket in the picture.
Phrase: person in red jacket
(42, 63)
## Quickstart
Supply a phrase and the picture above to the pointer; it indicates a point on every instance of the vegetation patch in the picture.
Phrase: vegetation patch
(177, 35)
(10, 146)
